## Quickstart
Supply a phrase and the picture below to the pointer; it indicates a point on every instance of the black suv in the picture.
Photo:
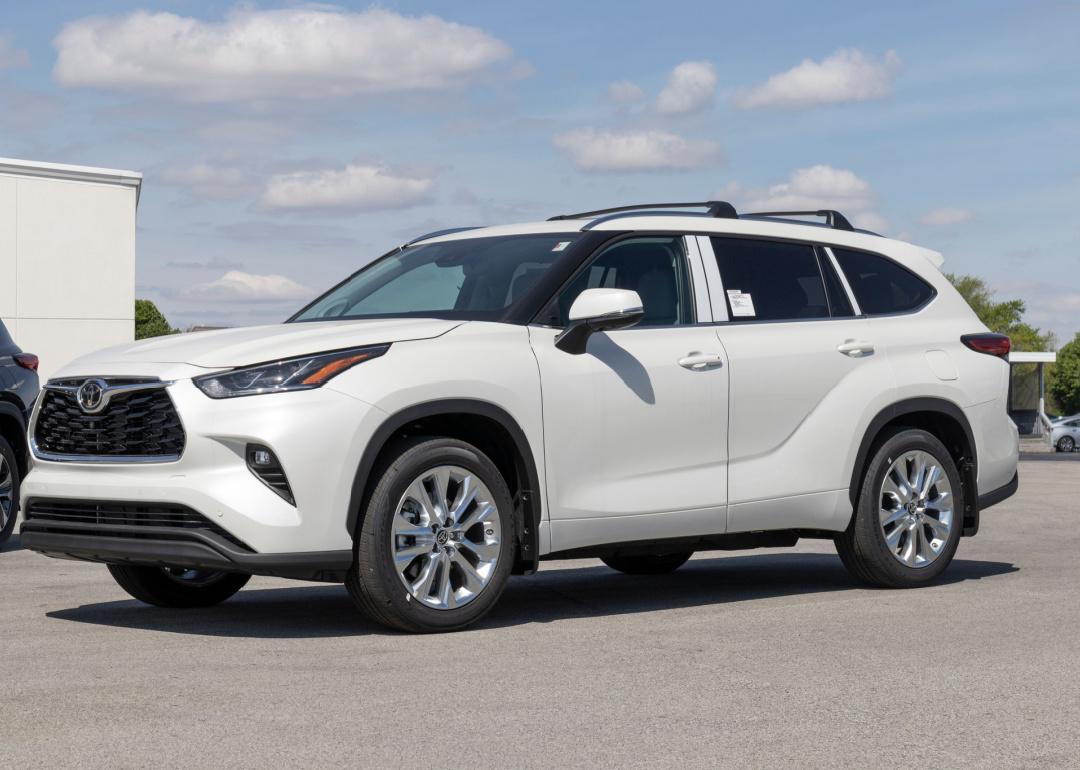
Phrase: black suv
(18, 389)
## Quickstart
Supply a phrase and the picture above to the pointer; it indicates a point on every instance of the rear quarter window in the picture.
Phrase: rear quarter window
(880, 285)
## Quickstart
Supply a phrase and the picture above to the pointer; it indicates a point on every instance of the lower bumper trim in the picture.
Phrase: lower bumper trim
(1001, 493)
(206, 552)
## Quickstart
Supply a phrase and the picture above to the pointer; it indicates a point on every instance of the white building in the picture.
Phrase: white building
(67, 258)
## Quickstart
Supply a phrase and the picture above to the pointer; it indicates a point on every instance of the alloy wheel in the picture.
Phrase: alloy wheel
(1067, 444)
(7, 489)
(916, 509)
(446, 537)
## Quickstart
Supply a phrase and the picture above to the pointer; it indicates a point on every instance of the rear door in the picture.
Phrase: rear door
(804, 372)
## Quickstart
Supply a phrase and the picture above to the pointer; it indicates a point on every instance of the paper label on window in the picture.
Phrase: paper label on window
(561, 245)
(742, 304)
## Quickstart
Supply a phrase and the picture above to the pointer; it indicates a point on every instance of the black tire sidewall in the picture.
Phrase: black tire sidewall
(375, 565)
(9, 456)
(870, 538)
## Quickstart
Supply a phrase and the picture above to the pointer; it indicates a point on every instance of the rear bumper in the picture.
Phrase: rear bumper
(1001, 493)
(166, 547)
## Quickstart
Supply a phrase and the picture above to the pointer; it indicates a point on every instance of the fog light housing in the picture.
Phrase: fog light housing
(262, 461)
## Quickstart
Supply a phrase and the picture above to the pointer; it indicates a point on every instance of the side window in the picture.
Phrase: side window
(654, 267)
(839, 304)
(880, 285)
(770, 281)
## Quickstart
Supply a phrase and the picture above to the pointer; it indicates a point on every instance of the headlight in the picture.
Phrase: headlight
(302, 373)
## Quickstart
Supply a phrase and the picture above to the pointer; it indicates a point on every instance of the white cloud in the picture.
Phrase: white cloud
(811, 189)
(625, 92)
(846, 76)
(944, 217)
(598, 150)
(237, 286)
(209, 180)
(302, 52)
(690, 87)
(356, 187)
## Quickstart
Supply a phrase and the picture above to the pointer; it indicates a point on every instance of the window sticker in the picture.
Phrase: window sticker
(561, 245)
(742, 304)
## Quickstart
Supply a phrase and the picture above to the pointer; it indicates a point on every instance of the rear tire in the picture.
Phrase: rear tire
(168, 587)
(428, 557)
(1066, 444)
(905, 529)
(9, 490)
(647, 564)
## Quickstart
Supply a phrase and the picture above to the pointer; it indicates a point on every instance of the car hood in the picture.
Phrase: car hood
(229, 348)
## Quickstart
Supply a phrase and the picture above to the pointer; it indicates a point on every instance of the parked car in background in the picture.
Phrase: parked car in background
(18, 391)
(1065, 435)
(629, 385)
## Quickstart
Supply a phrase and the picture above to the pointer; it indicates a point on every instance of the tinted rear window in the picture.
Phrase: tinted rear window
(770, 281)
(880, 285)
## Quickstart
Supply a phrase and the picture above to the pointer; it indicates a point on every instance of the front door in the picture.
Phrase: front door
(636, 428)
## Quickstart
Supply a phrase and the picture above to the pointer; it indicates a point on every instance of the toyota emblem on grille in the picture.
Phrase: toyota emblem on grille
(91, 395)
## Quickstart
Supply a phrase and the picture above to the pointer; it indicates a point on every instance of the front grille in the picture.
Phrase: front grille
(86, 516)
(140, 423)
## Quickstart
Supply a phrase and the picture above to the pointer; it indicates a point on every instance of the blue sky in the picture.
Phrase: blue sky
(285, 144)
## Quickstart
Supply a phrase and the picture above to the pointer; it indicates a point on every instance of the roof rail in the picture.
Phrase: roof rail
(721, 209)
(833, 218)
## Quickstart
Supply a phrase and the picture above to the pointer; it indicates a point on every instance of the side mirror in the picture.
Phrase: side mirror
(598, 310)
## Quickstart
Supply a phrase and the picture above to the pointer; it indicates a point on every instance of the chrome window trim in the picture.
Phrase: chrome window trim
(712, 273)
(699, 284)
(844, 281)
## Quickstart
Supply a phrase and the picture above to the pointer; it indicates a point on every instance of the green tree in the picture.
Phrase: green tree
(149, 322)
(1001, 317)
(1064, 385)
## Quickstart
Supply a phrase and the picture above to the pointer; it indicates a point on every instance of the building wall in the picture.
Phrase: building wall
(67, 266)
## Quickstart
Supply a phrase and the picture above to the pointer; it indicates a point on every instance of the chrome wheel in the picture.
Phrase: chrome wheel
(7, 492)
(446, 537)
(916, 509)
(1067, 444)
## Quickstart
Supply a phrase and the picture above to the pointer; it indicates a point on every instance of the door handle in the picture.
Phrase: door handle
(700, 361)
(855, 348)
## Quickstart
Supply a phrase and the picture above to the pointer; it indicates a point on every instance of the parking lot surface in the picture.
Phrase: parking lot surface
(751, 659)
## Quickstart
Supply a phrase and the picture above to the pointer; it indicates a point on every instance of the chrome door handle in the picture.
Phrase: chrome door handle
(701, 361)
(855, 348)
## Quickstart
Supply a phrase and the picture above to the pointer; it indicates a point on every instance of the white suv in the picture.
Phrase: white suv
(631, 384)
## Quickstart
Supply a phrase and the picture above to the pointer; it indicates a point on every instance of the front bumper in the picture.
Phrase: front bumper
(318, 436)
(195, 550)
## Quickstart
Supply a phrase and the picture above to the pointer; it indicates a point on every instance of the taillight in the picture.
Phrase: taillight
(26, 361)
(992, 344)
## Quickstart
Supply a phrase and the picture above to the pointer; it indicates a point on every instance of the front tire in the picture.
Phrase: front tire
(174, 587)
(436, 542)
(909, 515)
(1066, 444)
(9, 490)
(647, 564)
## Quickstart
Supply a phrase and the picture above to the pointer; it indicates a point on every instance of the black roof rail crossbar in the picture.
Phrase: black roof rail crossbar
(721, 209)
(833, 218)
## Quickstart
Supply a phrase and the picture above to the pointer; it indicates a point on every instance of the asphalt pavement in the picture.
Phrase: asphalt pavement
(753, 659)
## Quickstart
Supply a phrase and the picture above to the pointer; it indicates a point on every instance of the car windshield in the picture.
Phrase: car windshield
(470, 278)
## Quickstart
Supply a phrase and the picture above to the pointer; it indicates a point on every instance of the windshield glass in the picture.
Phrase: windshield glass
(472, 278)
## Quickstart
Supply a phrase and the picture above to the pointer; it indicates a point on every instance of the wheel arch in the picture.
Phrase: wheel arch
(941, 418)
(13, 428)
(485, 425)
